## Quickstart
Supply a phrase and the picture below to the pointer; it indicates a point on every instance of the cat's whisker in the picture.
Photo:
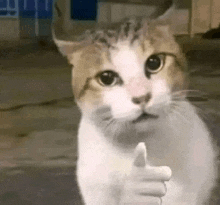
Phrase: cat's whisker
(200, 111)
(179, 99)
(187, 91)
(189, 94)
(177, 104)
(176, 110)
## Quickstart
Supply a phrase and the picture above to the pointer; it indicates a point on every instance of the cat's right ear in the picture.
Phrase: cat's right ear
(66, 48)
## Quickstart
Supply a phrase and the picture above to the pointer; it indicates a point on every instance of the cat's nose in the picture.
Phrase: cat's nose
(142, 99)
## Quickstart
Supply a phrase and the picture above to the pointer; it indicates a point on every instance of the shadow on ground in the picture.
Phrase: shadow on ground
(39, 186)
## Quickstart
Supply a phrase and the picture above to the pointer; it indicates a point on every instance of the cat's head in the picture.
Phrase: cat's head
(121, 74)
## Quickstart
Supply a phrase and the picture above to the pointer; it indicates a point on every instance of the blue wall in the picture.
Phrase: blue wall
(84, 9)
(8, 8)
(26, 8)
(44, 9)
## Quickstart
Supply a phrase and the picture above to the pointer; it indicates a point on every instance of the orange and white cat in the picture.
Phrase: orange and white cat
(130, 85)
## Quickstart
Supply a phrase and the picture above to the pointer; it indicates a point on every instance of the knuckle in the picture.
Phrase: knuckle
(160, 189)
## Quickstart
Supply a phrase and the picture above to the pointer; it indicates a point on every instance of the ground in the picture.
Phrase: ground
(39, 119)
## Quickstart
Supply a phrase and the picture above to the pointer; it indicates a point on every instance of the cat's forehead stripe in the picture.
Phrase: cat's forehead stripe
(129, 30)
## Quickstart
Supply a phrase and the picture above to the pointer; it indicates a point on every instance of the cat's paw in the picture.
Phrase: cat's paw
(145, 184)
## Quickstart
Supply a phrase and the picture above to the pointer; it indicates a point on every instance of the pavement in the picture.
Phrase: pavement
(39, 119)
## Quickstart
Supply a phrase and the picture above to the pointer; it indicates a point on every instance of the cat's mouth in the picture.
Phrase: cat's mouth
(145, 116)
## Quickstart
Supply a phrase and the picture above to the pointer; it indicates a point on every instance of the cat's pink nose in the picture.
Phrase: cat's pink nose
(142, 99)
(138, 87)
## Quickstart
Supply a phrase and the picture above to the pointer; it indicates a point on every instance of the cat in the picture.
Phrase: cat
(130, 84)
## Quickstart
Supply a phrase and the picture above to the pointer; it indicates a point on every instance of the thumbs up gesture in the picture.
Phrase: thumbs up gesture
(146, 184)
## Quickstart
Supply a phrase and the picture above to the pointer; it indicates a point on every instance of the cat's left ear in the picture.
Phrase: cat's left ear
(66, 48)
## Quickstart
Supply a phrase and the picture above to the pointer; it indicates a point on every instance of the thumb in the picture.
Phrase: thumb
(140, 155)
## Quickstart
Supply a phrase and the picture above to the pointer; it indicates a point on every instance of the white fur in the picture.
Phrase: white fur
(184, 146)
(159, 88)
(121, 105)
(126, 61)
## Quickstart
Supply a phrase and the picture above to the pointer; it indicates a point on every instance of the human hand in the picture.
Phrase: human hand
(145, 184)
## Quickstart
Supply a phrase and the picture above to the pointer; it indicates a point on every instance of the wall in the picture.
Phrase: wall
(121, 11)
(179, 21)
(205, 15)
(215, 17)
(113, 12)
(9, 29)
(27, 28)
(201, 21)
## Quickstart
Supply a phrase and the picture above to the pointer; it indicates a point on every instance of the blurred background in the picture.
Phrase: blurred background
(38, 116)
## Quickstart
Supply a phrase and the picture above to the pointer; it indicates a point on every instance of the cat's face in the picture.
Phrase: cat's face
(131, 77)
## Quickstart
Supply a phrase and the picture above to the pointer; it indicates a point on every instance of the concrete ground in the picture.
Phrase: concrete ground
(39, 119)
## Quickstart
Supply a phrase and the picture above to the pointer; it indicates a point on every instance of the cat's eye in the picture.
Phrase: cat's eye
(108, 78)
(154, 63)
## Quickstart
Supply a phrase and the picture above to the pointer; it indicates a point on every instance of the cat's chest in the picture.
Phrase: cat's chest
(104, 167)
(102, 158)
(98, 157)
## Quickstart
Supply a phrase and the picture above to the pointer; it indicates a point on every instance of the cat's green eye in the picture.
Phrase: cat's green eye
(154, 63)
(107, 78)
